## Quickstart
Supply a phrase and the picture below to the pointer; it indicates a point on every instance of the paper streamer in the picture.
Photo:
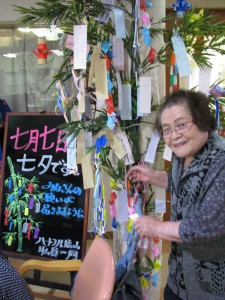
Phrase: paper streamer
(152, 147)
(80, 43)
(119, 23)
(181, 55)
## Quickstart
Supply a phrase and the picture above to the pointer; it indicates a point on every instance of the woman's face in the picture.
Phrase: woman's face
(179, 132)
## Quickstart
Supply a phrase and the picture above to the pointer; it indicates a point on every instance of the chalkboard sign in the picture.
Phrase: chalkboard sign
(44, 207)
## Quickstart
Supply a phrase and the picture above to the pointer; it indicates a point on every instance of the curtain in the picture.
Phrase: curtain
(23, 82)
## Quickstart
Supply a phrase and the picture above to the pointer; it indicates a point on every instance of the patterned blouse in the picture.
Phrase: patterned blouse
(197, 265)
(13, 286)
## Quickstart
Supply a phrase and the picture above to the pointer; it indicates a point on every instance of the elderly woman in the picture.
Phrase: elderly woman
(197, 186)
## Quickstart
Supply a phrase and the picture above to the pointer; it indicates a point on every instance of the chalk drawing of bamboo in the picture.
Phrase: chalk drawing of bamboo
(17, 212)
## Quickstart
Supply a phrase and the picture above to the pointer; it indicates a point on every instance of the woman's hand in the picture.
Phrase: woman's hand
(144, 173)
(140, 173)
(150, 227)
(147, 226)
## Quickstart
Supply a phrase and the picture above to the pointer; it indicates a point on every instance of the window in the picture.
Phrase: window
(24, 82)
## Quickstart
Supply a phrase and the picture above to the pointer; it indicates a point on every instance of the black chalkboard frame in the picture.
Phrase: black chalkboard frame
(13, 253)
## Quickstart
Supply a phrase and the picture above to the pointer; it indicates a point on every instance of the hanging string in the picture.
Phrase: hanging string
(173, 73)
(99, 218)
(217, 115)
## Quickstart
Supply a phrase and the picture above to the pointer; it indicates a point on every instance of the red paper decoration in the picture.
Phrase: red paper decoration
(152, 55)
(42, 51)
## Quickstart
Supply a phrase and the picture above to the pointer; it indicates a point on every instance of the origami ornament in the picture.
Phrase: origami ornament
(114, 223)
(109, 105)
(108, 62)
(148, 4)
(152, 55)
(100, 143)
(130, 201)
(146, 36)
(112, 185)
(106, 46)
(155, 251)
(157, 264)
(155, 278)
(196, 17)
(112, 198)
(143, 5)
(144, 282)
(181, 6)
(173, 73)
(112, 210)
(146, 19)
(132, 210)
(110, 84)
(99, 219)
(156, 240)
(110, 122)
(42, 51)
(129, 225)
(217, 91)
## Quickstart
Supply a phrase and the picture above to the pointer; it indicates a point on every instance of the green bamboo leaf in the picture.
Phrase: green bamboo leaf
(90, 149)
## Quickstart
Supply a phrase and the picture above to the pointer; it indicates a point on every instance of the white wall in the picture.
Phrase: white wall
(7, 12)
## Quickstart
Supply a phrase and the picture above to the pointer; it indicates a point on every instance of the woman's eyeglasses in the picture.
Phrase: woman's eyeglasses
(180, 127)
